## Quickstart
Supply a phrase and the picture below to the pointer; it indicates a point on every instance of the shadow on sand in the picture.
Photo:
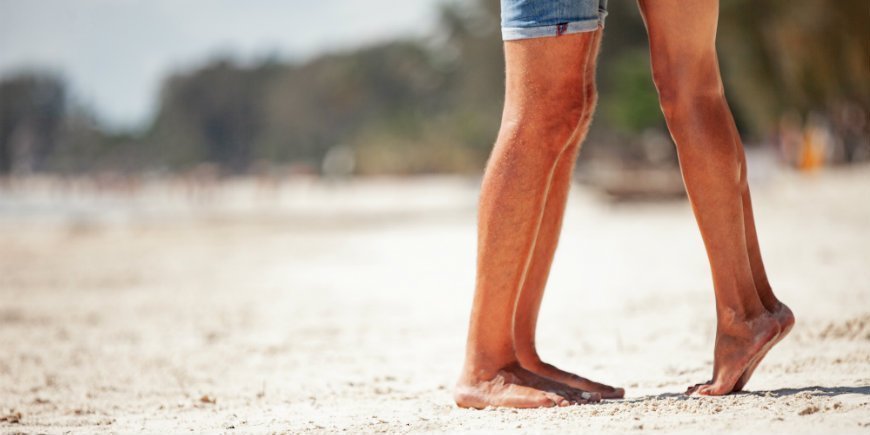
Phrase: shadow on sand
(816, 391)
(813, 391)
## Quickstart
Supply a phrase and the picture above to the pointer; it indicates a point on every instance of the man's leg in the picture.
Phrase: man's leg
(532, 292)
(544, 111)
(686, 72)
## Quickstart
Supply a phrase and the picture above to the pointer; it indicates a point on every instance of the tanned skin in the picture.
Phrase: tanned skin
(549, 100)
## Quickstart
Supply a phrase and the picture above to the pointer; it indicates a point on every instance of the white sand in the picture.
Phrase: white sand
(344, 309)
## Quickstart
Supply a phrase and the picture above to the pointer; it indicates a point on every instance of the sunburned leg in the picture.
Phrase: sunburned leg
(686, 72)
(532, 292)
(544, 107)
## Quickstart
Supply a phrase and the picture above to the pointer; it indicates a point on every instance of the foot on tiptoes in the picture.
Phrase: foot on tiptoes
(738, 345)
(785, 318)
(570, 379)
(694, 388)
(515, 387)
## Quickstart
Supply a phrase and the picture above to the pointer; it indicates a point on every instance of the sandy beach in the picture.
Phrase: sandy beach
(337, 307)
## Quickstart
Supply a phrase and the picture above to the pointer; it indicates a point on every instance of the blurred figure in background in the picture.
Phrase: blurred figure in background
(550, 53)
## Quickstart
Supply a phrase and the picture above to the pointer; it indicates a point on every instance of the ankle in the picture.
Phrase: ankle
(728, 316)
(770, 302)
(476, 371)
(529, 358)
(765, 294)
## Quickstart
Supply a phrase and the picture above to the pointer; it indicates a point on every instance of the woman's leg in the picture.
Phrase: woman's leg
(686, 72)
(781, 311)
(544, 112)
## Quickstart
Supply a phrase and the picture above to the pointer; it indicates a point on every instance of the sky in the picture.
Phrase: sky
(114, 53)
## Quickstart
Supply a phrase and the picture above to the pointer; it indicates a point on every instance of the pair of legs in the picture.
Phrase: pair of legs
(550, 96)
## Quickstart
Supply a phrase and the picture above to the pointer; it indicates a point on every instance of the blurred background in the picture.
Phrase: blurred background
(335, 89)
(260, 215)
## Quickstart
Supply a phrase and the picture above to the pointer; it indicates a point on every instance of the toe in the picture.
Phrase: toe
(583, 397)
(556, 400)
(711, 390)
(694, 388)
(590, 397)
(607, 392)
(565, 391)
(618, 393)
(574, 395)
(566, 395)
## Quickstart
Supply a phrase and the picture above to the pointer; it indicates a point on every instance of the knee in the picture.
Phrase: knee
(550, 125)
(687, 84)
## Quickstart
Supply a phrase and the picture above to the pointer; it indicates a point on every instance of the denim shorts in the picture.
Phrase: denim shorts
(523, 19)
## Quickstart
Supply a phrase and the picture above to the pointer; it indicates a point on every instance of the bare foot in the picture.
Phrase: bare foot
(516, 387)
(785, 318)
(738, 344)
(570, 379)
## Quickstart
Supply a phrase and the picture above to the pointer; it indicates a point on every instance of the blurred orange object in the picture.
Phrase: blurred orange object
(812, 149)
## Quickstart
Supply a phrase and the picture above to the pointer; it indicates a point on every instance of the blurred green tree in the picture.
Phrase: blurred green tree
(32, 107)
(433, 105)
